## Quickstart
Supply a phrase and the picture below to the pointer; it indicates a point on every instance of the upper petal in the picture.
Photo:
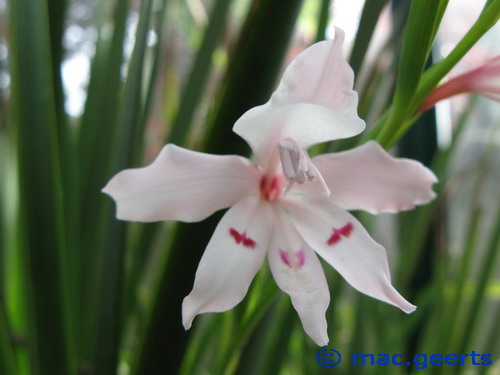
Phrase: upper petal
(314, 102)
(182, 185)
(232, 258)
(342, 241)
(368, 178)
(298, 272)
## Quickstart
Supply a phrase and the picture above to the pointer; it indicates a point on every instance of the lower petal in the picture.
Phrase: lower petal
(232, 258)
(342, 241)
(298, 272)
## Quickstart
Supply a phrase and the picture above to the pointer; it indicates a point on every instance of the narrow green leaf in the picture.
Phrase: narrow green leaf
(417, 41)
(131, 132)
(431, 78)
(451, 318)
(140, 247)
(159, 21)
(7, 357)
(265, 353)
(421, 219)
(199, 74)
(97, 140)
(255, 64)
(57, 12)
(487, 267)
(488, 18)
(368, 21)
(51, 339)
(129, 149)
(323, 18)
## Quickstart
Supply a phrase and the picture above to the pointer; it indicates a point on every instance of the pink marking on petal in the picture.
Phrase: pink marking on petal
(248, 242)
(337, 234)
(301, 257)
(235, 234)
(346, 230)
(293, 260)
(334, 238)
(241, 238)
(285, 258)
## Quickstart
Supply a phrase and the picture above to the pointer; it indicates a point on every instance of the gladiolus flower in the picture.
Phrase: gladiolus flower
(286, 206)
(484, 80)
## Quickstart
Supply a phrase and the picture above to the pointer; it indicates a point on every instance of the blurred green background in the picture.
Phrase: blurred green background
(90, 87)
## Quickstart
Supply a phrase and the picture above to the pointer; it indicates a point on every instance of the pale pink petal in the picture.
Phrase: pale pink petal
(182, 185)
(368, 178)
(343, 242)
(314, 102)
(232, 258)
(298, 272)
(484, 80)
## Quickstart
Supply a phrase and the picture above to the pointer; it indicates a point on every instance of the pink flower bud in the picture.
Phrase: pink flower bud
(484, 80)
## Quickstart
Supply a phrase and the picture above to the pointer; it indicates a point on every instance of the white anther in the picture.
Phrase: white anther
(297, 165)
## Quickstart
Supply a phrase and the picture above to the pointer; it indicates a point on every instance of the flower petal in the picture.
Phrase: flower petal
(232, 258)
(368, 178)
(182, 185)
(298, 272)
(343, 242)
(314, 102)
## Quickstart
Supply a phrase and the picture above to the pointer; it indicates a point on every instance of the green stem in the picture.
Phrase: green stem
(392, 130)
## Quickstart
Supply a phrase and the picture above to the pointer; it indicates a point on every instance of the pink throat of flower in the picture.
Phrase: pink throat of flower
(270, 188)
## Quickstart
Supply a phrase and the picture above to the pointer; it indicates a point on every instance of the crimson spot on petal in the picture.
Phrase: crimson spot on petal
(292, 259)
(338, 233)
(334, 238)
(241, 238)
(346, 230)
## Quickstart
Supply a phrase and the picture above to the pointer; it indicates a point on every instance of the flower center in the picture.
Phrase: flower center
(298, 166)
(270, 187)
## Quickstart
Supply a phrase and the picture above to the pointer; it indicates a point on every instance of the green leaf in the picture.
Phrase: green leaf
(417, 41)
(489, 16)
(368, 21)
(129, 151)
(7, 358)
(199, 74)
(487, 269)
(97, 142)
(51, 340)
(323, 18)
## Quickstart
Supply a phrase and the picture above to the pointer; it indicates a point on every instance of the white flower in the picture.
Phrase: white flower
(287, 206)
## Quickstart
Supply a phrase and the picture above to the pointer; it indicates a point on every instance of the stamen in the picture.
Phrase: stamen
(297, 166)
